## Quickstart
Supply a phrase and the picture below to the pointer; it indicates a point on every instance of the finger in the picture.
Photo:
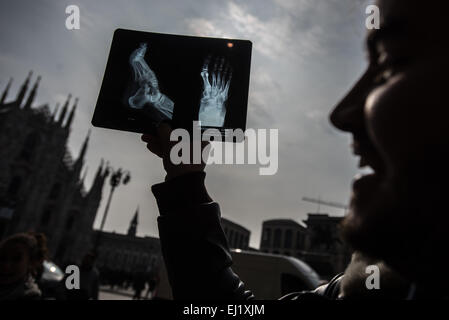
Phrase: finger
(215, 74)
(152, 144)
(156, 149)
(147, 137)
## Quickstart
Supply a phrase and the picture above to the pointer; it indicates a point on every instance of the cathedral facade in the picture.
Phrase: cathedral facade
(41, 185)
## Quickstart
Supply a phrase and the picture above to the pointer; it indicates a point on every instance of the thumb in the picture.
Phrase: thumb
(163, 131)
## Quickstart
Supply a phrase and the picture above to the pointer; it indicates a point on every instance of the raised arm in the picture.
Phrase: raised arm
(194, 246)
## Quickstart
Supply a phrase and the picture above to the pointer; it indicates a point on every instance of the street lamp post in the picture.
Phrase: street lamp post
(118, 177)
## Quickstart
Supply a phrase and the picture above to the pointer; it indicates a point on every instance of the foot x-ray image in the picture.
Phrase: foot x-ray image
(148, 94)
(215, 92)
(156, 77)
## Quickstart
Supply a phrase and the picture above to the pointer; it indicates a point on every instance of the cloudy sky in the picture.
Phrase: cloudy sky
(306, 54)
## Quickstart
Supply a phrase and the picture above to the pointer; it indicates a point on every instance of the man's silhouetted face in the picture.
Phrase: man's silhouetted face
(397, 114)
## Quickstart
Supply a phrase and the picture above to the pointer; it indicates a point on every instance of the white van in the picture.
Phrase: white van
(268, 276)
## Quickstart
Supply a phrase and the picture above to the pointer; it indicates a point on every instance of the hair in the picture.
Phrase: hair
(36, 244)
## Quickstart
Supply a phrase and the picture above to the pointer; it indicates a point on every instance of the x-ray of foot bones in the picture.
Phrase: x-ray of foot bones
(215, 93)
(148, 91)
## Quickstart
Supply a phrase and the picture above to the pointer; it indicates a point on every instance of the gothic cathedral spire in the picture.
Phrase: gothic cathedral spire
(55, 112)
(80, 160)
(132, 230)
(32, 94)
(71, 115)
(23, 89)
(5, 93)
(64, 110)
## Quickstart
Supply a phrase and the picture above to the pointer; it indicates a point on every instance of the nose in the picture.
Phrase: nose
(348, 115)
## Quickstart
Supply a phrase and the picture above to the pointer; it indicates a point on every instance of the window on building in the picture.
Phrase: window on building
(266, 237)
(288, 239)
(299, 240)
(277, 238)
(231, 238)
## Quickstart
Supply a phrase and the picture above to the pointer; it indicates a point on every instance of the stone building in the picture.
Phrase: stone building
(316, 242)
(325, 251)
(238, 236)
(128, 252)
(283, 236)
(41, 187)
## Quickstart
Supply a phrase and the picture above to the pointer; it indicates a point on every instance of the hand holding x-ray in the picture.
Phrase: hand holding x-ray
(215, 92)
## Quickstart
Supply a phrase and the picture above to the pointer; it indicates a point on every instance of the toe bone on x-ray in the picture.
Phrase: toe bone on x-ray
(215, 92)
(148, 91)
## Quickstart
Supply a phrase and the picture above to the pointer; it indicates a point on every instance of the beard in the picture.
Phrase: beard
(353, 284)
(403, 224)
(382, 225)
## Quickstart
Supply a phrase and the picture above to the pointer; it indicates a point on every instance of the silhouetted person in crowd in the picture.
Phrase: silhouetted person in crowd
(89, 280)
(152, 281)
(398, 217)
(138, 285)
(21, 258)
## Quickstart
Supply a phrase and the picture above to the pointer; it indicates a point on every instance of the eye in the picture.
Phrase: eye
(383, 77)
(389, 67)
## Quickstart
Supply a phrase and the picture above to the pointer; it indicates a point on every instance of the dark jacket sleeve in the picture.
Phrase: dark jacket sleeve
(194, 246)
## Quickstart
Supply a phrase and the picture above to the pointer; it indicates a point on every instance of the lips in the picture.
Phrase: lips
(368, 158)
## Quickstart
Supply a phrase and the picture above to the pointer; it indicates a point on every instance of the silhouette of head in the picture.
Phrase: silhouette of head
(21, 255)
(397, 115)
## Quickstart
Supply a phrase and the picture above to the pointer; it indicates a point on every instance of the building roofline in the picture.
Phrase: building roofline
(239, 226)
(286, 221)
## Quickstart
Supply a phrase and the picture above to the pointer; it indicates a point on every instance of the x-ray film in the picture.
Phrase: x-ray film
(152, 77)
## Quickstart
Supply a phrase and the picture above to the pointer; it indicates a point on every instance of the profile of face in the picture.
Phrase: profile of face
(15, 263)
(397, 115)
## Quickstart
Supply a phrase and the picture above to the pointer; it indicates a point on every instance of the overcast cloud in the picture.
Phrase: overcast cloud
(306, 54)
